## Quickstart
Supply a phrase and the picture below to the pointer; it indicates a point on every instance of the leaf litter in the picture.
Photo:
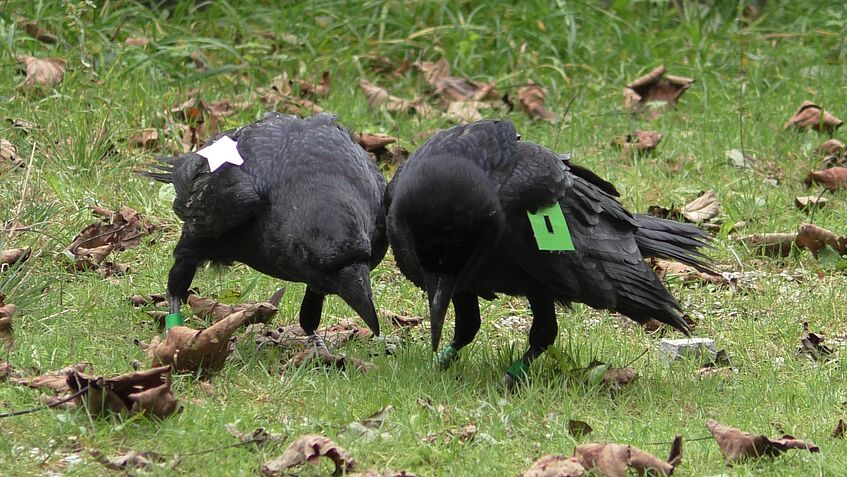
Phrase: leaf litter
(9, 157)
(811, 116)
(42, 72)
(641, 142)
(6, 337)
(811, 345)
(655, 92)
(308, 449)
(737, 446)
(147, 392)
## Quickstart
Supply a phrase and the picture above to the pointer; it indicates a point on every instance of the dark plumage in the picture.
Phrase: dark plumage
(458, 225)
(306, 206)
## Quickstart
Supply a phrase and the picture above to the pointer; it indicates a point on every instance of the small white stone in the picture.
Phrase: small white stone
(688, 348)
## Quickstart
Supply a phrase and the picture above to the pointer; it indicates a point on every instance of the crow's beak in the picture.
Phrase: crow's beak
(354, 287)
(439, 290)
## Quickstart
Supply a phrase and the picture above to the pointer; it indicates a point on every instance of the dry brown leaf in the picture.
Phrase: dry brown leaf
(312, 354)
(320, 90)
(814, 238)
(613, 460)
(375, 95)
(148, 138)
(639, 141)
(57, 402)
(737, 445)
(6, 312)
(57, 381)
(373, 142)
(133, 460)
(37, 32)
(43, 71)
(832, 147)
(188, 349)
(258, 312)
(579, 428)
(810, 115)
(9, 155)
(811, 345)
(839, 430)
(137, 41)
(464, 112)
(402, 320)
(13, 255)
(5, 370)
(385, 473)
(531, 98)
(451, 88)
(260, 436)
(146, 391)
(703, 208)
(655, 92)
(771, 245)
(308, 449)
(833, 178)
(555, 466)
(123, 229)
(809, 202)
(378, 97)
(617, 378)
(688, 274)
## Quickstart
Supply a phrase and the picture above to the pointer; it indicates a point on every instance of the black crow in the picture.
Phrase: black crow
(474, 212)
(305, 205)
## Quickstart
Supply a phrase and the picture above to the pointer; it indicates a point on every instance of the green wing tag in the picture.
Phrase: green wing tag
(550, 229)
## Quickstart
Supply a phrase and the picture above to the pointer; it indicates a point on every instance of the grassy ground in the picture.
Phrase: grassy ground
(754, 72)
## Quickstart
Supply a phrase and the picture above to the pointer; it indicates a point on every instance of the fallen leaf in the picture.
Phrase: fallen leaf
(386, 473)
(467, 432)
(810, 202)
(320, 90)
(814, 238)
(57, 381)
(737, 445)
(840, 428)
(614, 379)
(738, 159)
(279, 97)
(639, 141)
(379, 97)
(323, 355)
(148, 138)
(833, 178)
(188, 349)
(531, 99)
(811, 345)
(9, 155)
(5, 370)
(260, 436)
(686, 273)
(555, 466)
(368, 429)
(578, 428)
(137, 41)
(655, 92)
(810, 115)
(308, 449)
(13, 256)
(6, 312)
(771, 245)
(452, 88)
(832, 147)
(22, 124)
(402, 320)
(373, 142)
(43, 71)
(123, 228)
(387, 67)
(132, 460)
(146, 392)
(258, 312)
(703, 208)
(37, 32)
(464, 112)
(613, 460)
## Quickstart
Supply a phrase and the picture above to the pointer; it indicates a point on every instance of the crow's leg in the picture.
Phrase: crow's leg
(467, 324)
(180, 278)
(310, 315)
(541, 335)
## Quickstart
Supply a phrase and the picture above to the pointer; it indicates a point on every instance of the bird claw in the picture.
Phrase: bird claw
(446, 357)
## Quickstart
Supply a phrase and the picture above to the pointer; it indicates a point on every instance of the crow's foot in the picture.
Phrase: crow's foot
(446, 357)
(517, 373)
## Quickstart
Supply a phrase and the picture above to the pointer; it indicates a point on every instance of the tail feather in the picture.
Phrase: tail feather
(672, 240)
(162, 171)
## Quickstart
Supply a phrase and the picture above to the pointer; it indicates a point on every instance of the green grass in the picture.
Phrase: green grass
(755, 71)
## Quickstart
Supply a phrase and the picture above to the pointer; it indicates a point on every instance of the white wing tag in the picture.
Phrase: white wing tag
(220, 152)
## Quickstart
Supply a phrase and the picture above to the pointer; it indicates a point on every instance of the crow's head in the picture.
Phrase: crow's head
(446, 212)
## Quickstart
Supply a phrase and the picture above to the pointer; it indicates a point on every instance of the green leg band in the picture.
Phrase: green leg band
(446, 357)
(518, 370)
(173, 319)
